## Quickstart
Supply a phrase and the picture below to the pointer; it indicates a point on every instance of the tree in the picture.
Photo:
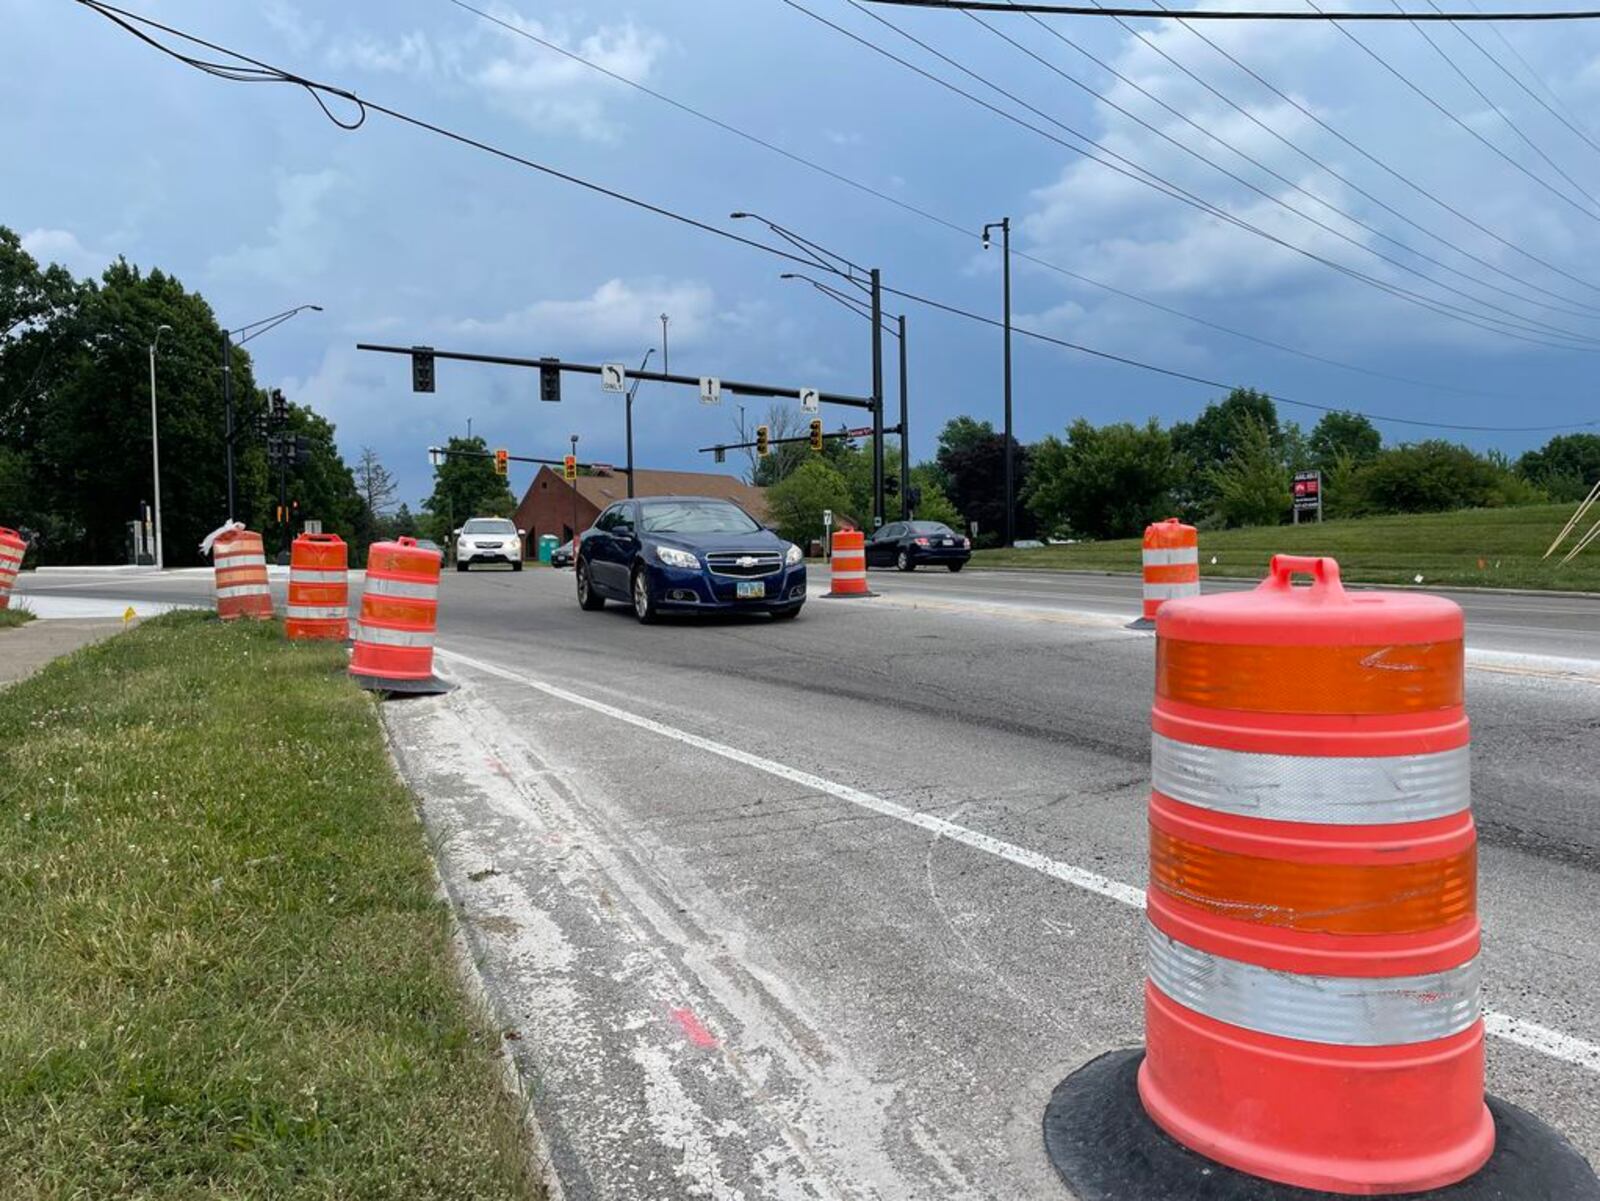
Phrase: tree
(795, 503)
(466, 486)
(932, 504)
(404, 523)
(782, 422)
(1350, 435)
(972, 461)
(1566, 467)
(1429, 477)
(1207, 443)
(322, 488)
(1252, 486)
(1105, 482)
(374, 483)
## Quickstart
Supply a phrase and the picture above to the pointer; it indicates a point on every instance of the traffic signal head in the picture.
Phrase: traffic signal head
(549, 380)
(421, 369)
(721, 455)
(763, 440)
(302, 450)
(569, 467)
(502, 463)
(280, 407)
(816, 434)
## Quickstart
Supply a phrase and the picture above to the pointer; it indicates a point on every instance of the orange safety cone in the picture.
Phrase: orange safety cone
(319, 589)
(399, 614)
(1171, 561)
(848, 565)
(240, 572)
(1311, 1010)
(12, 548)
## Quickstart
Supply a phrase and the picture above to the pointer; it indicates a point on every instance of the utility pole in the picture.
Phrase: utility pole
(575, 497)
(666, 361)
(877, 398)
(905, 432)
(155, 442)
(1010, 471)
(227, 411)
(628, 407)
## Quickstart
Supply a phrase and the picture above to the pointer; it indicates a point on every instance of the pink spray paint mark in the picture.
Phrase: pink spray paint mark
(693, 1029)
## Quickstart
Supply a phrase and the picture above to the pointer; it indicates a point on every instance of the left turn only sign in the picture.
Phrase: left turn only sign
(613, 377)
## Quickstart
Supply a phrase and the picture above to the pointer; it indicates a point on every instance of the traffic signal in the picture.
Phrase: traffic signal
(302, 450)
(816, 434)
(280, 407)
(549, 380)
(762, 441)
(263, 427)
(569, 468)
(721, 455)
(502, 463)
(421, 369)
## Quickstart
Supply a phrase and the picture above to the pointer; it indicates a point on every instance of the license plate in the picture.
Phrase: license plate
(750, 589)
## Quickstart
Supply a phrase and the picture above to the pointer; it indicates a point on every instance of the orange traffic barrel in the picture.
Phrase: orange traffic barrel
(1171, 565)
(399, 614)
(1312, 1014)
(848, 565)
(240, 565)
(319, 589)
(12, 548)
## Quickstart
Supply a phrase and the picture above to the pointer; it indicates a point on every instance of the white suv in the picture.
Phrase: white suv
(488, 540)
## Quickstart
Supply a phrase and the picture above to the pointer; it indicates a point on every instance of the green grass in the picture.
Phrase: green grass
(224, 971)
(16, 614)
(1495, 548)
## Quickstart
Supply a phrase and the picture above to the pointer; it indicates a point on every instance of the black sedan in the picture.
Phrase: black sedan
(909, 545)
(562, 555)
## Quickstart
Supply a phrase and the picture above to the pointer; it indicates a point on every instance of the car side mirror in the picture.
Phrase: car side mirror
(455, 533)
(522, 533)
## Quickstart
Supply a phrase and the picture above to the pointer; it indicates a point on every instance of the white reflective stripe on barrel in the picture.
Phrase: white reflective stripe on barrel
(383, 636)
(1335, 791)
(1346, 1011)
(379, 586)
(10, 554)
(849, 575)
(317, 612)
(230, 562)
(1171, 591)
(302, 575)
(239, 590)
(1171, 556)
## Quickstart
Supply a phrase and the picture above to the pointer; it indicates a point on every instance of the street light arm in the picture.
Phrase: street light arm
(849, 302)
(271, 322)
(819, 254)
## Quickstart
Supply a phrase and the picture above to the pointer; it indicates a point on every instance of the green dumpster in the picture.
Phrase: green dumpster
(547, 546)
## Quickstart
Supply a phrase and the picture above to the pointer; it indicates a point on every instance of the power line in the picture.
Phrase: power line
(1202, 14)
(1287, 182)
(263, 72)
(1303, 153)
(1534, 96)
(961, 230)
(1577, 128)
(1289, 99)
(1142, 175)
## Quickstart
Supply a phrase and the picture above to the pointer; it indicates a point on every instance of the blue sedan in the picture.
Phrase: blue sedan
(688, 554)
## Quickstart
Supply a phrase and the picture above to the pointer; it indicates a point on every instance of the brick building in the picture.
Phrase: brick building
(546, 507)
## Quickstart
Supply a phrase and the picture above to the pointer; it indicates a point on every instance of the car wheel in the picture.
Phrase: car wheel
(460, 566)
(644, 605)
(904, 563)
(955, 566)
(588, 598)
(517, 566)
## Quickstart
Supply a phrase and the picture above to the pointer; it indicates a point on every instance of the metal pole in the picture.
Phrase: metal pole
(1011, 482)
(877, 398)
(628, 413)
(227, 412)
(905, 432)
(575, 501)
(666, 362)
(155, 450)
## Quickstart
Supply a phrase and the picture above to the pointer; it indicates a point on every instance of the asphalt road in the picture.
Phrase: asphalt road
(826, 908)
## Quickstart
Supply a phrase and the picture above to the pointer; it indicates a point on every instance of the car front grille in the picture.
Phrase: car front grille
(744, 564)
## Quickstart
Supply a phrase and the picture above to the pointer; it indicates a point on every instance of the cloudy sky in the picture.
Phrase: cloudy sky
(1405, 223)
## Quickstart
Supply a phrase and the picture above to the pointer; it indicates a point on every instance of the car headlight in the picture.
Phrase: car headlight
(794, 555)
(673, 557)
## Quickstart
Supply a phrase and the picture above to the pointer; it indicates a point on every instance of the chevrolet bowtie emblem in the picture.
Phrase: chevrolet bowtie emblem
(747, 561)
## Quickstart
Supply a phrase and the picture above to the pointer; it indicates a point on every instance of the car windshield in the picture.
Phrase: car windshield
(931, 527)
(496, 525)
(697, 517)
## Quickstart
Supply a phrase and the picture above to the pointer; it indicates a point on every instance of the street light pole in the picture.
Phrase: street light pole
(1010, 472)
(575, 498)
(905, 432)
(155, 443)
(628, 408)
(666, 361)
(877, 398)
(254, 330)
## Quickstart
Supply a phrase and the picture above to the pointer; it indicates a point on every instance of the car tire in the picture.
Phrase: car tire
(644, 605)
(460, 566)
(588, 599)
(516, 566)
(904, 562)
(955, 566)
(786, 614)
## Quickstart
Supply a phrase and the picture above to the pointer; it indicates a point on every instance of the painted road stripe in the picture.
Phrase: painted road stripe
(1546, 1041)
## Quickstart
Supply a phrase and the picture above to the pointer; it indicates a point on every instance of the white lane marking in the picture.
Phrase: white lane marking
(1543, 1039)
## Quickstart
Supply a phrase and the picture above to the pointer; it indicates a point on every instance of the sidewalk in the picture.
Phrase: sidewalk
(26, 649)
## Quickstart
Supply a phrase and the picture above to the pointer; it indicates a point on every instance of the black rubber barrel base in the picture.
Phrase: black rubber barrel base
(432, 686)
(1140, 623)
(847, 595)
(1106, 1148)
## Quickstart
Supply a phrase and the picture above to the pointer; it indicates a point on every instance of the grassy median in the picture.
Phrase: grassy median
(223, 968)
(1495, 548)
(15, 616)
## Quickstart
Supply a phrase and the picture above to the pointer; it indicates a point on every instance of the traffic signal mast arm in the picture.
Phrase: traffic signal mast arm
(489, 454)
(734, 387)
(864, 432)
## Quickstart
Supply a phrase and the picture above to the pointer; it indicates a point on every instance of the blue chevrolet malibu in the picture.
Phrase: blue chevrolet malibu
(688, 554)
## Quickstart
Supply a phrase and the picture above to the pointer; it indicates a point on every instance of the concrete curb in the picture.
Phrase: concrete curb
(1134, 575)
(537, 1148)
